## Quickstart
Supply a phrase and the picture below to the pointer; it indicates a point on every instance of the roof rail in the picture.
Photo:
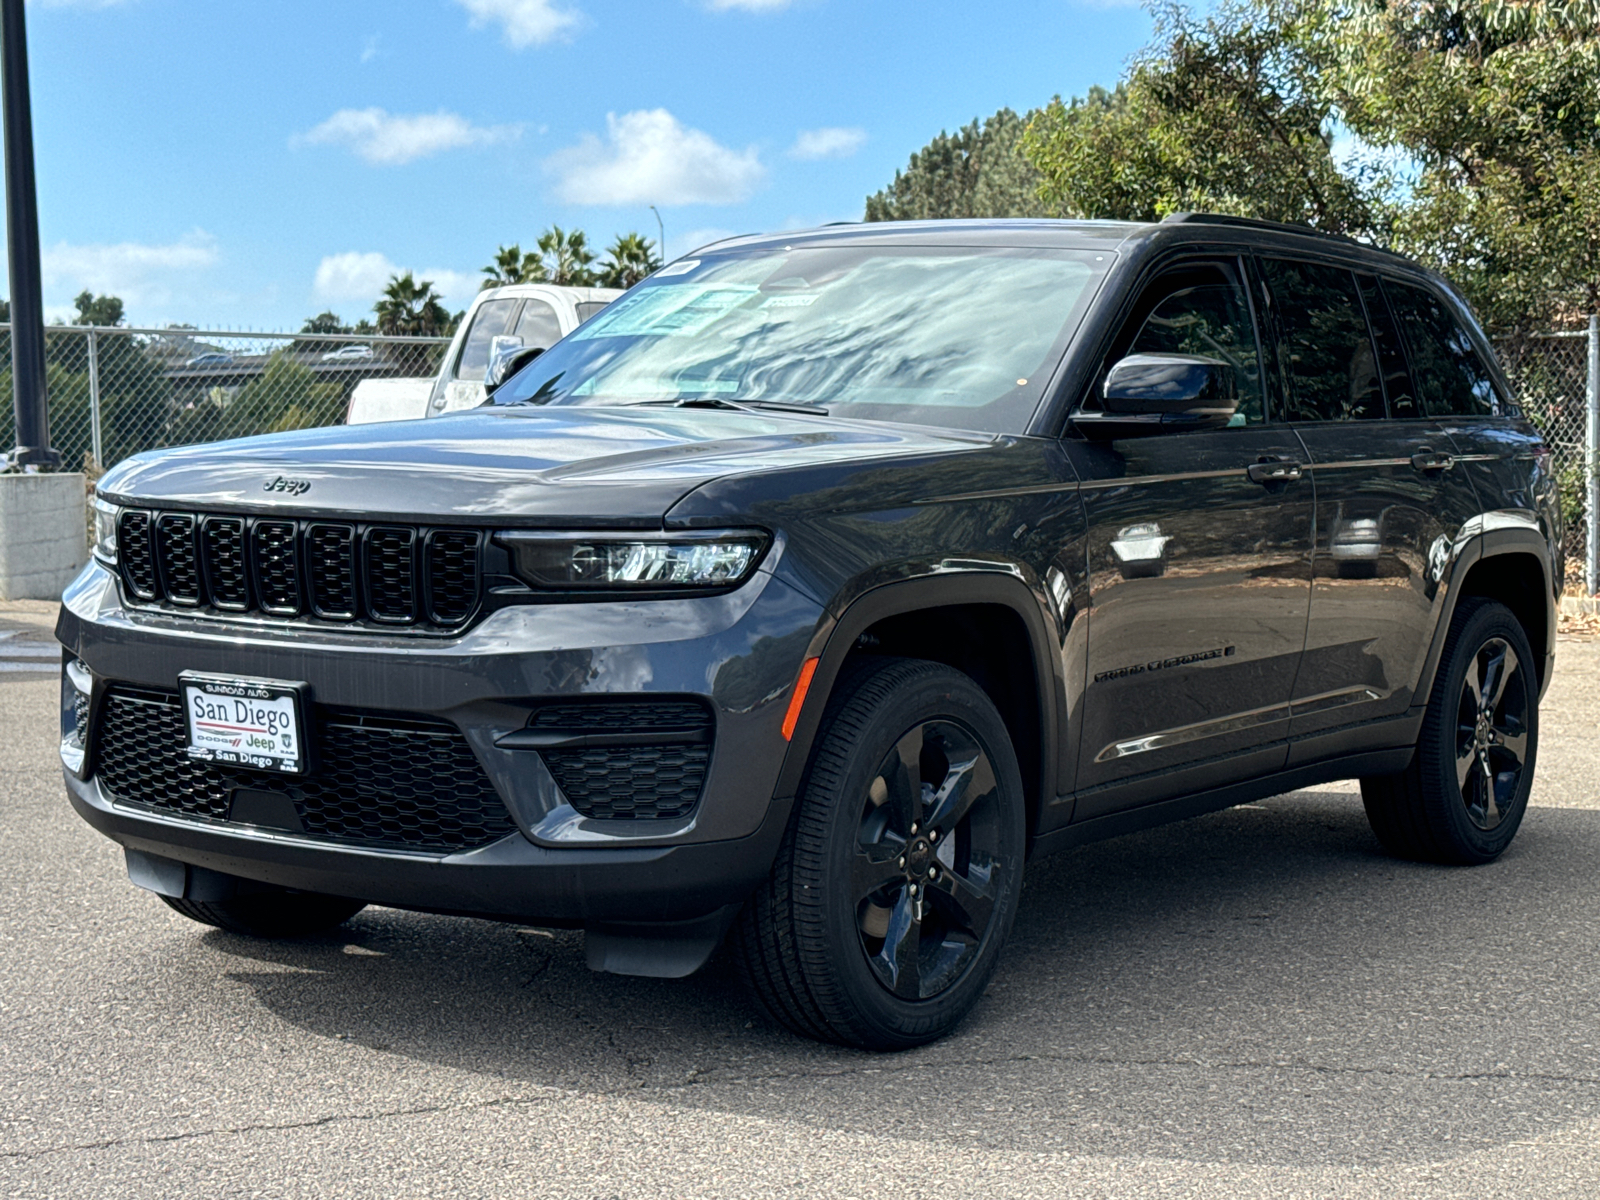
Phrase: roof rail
(1203, 218)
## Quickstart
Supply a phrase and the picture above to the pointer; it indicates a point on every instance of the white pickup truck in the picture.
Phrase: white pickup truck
(536, 314)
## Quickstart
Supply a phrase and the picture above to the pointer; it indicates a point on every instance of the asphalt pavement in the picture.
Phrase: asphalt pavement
(1255, 1003)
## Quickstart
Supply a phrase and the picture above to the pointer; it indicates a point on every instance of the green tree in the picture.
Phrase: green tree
(513, 265)
(565, 257)
(1221, 114)
(979, 171)
(325, 322)
(411, 307)
(630, 258)
(97, 310)
(1494, 106)
(286, 395)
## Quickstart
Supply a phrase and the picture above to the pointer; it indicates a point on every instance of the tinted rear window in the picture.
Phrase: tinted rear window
(1452, 379)
(1330, 369)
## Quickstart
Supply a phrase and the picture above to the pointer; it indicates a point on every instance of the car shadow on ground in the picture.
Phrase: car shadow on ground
(1258, 985)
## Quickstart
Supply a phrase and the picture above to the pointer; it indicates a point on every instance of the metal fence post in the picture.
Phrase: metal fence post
(94, 400)
(1591, 549)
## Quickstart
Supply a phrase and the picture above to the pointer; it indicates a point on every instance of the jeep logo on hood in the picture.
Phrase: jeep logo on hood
(294, 487)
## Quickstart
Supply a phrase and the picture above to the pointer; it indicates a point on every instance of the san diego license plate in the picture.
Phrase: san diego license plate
(251, 722)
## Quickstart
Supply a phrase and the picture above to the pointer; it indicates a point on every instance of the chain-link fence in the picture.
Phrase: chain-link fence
(1551, 375)
(114, 392)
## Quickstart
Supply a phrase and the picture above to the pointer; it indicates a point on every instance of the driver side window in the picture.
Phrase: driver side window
(1201, 308)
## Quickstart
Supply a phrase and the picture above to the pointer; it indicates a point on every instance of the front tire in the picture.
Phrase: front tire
(1463, 796)
(271, 914)
(899, 877)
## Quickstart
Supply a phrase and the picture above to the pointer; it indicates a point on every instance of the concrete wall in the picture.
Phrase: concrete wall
(43, 537)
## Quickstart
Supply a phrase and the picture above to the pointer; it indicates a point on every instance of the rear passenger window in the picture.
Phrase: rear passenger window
(1202, 309)
(1391, 356)
(1330, 370)
(488, 322)
(1450, 376)
(539, 325)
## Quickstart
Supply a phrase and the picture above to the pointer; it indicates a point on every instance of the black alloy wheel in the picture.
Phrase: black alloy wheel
(1492, 733)
(928, 862)
(899, 876)
(1463, 796)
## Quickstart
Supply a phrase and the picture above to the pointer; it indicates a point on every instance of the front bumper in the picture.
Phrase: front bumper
(737, 652)
(512, 879)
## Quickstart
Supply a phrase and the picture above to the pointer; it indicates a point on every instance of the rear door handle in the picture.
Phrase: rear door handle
(1273, 471)
(1427, 459)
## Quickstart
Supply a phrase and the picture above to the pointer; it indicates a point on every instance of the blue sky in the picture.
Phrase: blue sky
(245, 165)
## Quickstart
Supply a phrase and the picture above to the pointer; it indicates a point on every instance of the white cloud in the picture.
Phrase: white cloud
(832, 142)
(524, 23)
(388, 140)
(355, 276)
(749, 5)
(143, 275)
(649, 157)
(352, 276)
(371, 48)
(457, 287)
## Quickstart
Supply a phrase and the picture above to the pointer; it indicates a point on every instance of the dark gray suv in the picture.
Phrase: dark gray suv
(805, 593)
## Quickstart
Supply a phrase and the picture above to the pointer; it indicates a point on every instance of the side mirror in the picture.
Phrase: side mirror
(507, 356)
(1162, 393)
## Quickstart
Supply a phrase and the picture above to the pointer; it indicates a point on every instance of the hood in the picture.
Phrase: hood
(586, 466)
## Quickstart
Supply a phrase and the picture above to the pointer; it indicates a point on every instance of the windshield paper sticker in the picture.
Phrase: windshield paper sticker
(682, 310)
(678, 268)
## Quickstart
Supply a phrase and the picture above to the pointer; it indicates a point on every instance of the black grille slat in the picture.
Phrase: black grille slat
(390, 556)
(136, 554)
(277, 567)
(650, 782)
(622, 717)
(222, 552)
(380, 780)
(330, 564)
(175, 556)
(395, 575)
(452, 575)
(630, 783)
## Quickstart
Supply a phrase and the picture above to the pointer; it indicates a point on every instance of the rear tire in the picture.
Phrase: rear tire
(1463, 796)
(274, 914)
(899, 876)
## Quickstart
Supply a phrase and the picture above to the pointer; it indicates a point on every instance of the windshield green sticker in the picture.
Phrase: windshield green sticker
(681, 310)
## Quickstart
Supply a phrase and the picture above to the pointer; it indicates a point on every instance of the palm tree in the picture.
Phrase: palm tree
(410, 308)
(631, 259)
(566, 257)
(512, 265)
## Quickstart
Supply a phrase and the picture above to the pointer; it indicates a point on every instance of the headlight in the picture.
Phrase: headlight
(570, 561)
(105, 530)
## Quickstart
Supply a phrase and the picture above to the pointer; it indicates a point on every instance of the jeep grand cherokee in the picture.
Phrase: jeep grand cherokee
(817, 584)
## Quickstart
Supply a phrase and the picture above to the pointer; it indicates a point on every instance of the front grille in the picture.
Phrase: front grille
(274, 552)
(656, 770)
(382, 780)
(396, 575)
(222, 550)
(176, 558)
(330, 549)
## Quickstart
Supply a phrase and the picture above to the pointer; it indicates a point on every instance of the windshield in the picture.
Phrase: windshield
(949, 336)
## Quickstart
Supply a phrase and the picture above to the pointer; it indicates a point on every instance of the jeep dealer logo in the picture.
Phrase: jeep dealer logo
(295, 487)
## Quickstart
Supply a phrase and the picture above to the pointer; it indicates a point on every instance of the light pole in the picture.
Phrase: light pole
(661, 234)
(22, 237)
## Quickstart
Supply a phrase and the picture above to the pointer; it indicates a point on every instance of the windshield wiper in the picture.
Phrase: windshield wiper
(794, 406)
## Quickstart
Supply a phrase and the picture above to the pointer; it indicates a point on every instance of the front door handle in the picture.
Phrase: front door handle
(1275, 470)
(1428, 459)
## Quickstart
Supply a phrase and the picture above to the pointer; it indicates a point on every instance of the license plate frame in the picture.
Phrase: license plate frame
(239, 721)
